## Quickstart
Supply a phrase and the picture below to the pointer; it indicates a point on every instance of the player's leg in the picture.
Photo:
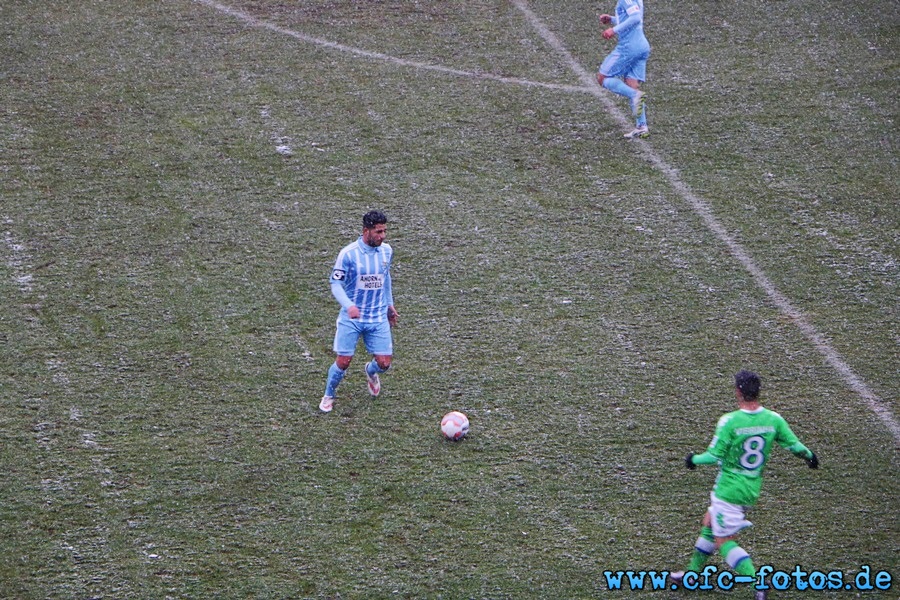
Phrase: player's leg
(380, 344)
(638, 110)
(736, 557)
(346, 336)
(703, 548)
(727, 521)
(617, 86)
(379, 364)
(611, 70)
(622, 75)
(634, 77)
(638, 103)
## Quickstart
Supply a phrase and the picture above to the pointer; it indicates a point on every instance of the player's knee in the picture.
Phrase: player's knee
(383, 361)
(719, 541)
(600, 78)
(343, 362)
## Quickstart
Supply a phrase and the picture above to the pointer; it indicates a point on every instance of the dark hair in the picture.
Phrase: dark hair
(373, 218)
(748, 383)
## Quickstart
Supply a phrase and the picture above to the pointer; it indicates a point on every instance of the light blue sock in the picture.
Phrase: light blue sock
(617, 86)
(373, 368)
(335, 376)
(642, 120)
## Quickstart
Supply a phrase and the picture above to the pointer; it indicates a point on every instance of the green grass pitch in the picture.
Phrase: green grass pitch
(176, 179)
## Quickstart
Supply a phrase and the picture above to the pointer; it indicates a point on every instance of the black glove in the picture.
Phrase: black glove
(689, 463)
(813, 461)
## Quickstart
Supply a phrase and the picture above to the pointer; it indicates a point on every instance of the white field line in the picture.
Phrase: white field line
(703, 209)
(699, 205)
(254, 22)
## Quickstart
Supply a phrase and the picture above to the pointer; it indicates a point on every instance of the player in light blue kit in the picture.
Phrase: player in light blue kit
(361, 283)
(623, 71)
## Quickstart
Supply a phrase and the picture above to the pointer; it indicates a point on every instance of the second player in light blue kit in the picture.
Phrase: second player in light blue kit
(623, 71)
(361, 283)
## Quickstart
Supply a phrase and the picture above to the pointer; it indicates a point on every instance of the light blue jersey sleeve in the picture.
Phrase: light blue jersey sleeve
(388, 286)
(629, 26)
(342, 271)
(337, 290)
(629, 14)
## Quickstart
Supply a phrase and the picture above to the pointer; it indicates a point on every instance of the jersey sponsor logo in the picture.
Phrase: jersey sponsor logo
(370, 282)
(633, 9)
(755, 430)
(338, 275)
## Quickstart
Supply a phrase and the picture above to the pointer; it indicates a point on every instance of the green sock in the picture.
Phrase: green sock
(702, 549)
(737, 558)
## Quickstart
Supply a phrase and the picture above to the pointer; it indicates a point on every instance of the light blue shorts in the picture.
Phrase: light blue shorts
(376, 336)
(633, 66)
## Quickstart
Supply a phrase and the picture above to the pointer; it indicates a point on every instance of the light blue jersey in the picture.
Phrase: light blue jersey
(628, 59)
(625, 68)
(361, 277)
(628, 23)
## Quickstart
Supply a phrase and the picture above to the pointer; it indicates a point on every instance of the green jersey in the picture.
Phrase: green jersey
(742, 443)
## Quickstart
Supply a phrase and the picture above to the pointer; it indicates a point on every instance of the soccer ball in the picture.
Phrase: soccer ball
(455, 425)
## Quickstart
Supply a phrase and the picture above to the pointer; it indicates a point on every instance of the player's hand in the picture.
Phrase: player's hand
(609, 33)
(393, 315)
(813, 461)
(605, 19)
(353, 312)
(689, 461)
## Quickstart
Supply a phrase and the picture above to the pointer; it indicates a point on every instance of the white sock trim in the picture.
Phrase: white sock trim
(705, 546)
(735, 556)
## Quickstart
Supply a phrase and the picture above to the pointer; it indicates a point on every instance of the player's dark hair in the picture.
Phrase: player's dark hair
(373, 218)
(748, 383)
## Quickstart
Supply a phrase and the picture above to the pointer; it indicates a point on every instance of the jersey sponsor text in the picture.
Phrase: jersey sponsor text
(370, 282)
(755, 430)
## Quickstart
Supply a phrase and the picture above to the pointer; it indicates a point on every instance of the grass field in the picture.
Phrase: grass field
(178, 177)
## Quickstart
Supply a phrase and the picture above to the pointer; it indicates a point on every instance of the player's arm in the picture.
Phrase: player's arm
(806, 454)
(635, 18)
(392, 313)
(707, 458)
(710, 457)
(609, 22)
(790, 442)
(340, 294)
(716, 449)
(338, 277)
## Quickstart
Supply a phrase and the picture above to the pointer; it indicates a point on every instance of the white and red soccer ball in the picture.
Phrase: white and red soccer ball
(455, 425)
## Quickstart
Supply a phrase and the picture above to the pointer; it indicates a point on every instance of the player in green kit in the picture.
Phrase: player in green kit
(741, 446)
